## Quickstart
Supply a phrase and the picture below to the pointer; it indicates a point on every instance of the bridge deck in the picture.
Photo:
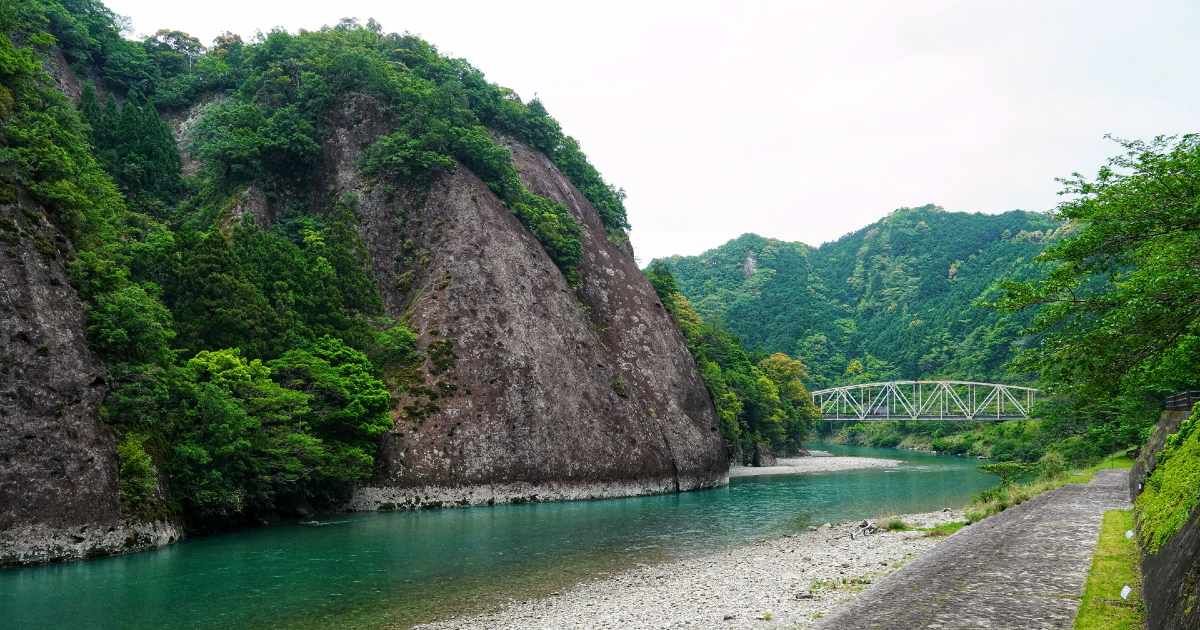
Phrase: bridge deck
(925, 400)
(1002, 418)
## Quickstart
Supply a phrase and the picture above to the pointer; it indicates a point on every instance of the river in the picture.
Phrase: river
(394, 569)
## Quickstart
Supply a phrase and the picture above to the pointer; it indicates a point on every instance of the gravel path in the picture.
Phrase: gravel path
(788, 582)
(813, 464)
(1023, 568)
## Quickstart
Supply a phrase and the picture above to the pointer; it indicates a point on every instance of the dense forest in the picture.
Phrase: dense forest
(901, 298)
(250, 368)
(1095, 303)
(761, 400)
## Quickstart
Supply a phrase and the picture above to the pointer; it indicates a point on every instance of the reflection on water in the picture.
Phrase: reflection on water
(396, 568)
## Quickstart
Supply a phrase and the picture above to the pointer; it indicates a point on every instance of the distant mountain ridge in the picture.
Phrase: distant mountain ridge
(895, 299)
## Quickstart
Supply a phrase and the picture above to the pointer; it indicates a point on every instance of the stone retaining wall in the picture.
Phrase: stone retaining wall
(1171, 577)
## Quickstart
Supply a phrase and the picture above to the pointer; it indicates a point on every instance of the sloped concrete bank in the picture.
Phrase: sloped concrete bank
(1023, 568)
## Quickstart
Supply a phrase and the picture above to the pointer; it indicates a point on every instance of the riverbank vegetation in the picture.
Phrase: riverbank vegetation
(1015, 440)
(1117, 309)
(945, 529)
(761, 399)
(1115, 565)
(1118, 316)
(1096, 303)
(1020, 482)
(1172, 491)
(250, 366)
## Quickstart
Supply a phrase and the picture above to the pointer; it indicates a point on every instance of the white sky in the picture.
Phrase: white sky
(801, 120)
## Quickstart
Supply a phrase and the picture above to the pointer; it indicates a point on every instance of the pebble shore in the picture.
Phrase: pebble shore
(790, 582)
(815, 464)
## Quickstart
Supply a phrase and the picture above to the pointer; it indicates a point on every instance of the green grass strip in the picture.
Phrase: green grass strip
(1114, 566)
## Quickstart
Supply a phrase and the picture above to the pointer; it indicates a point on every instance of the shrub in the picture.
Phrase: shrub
(1172, 492)
(137, 475)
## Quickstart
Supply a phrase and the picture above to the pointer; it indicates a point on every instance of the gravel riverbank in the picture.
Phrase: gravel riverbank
(791, 582)
(813, 464)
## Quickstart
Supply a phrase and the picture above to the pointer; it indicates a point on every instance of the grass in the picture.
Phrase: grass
(852, 584)
(997, 500)
(1170, 497)
(1114, 566)
(1116, 460)
(894, 524)
(945, 529)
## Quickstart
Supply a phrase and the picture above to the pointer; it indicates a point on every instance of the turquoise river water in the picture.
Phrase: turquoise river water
(394, 569)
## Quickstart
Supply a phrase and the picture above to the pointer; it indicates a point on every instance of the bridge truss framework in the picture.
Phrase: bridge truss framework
(925, 400)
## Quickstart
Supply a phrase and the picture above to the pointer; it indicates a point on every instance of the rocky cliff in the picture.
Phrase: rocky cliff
(58, 472)
(548, 391)
(543, 390)
(548, 367)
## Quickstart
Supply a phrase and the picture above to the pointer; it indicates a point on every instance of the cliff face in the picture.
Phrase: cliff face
(58, 472)
(533, 390)
(544, 391)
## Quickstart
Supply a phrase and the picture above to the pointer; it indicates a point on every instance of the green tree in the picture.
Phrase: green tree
(763, 402)
(131, 325)
(1118, 310)
(240, 445)
(349, 406)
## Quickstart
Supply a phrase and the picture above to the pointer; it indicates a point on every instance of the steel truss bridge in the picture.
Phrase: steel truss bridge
(924, 400)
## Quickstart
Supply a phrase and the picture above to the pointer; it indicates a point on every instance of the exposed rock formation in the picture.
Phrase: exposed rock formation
(540, 390)
(58, 477)
(763, 455)
(547, 391)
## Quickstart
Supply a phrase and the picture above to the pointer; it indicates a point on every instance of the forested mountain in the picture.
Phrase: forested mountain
(896, 299)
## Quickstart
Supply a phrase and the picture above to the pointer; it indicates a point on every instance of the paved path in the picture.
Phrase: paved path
(1021, 569)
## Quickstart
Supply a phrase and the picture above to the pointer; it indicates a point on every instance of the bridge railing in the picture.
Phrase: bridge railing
(925, 400)
(1182, 401)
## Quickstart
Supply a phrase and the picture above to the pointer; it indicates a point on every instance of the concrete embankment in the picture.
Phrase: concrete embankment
(1170, 575)
(1023, 568)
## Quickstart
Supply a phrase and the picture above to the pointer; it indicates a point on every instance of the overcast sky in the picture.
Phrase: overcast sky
(801, 120)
